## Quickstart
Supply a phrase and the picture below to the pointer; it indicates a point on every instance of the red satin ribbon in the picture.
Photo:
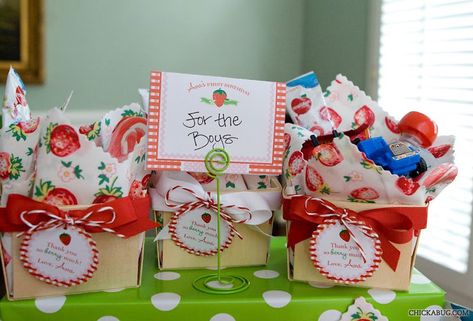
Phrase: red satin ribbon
(392, 224)
(131, 215)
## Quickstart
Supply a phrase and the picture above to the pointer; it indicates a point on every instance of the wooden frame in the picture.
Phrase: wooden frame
(30, 52)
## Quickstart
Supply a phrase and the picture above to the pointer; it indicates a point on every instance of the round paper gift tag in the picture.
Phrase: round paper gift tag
(337, 255)
(196, 231)
(60, 256)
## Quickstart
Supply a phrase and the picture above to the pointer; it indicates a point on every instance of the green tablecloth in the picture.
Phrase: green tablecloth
(170, 296)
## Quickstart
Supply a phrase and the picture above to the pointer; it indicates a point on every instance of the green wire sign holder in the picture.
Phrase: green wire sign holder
(217, 161)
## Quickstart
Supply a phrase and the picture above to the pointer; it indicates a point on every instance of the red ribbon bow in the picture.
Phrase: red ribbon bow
(124, 217)
(392, 224)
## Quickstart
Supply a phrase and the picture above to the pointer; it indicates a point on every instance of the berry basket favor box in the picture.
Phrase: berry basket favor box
(357, 185)
(185, 205)
(74, 200)
(198, 124)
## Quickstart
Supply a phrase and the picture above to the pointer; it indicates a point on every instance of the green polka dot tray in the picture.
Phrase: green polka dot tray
(169, 295)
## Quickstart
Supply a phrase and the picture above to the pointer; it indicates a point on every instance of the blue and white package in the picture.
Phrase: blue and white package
(15, 108)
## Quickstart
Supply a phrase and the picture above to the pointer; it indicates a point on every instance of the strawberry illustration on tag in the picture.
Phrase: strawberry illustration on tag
(345, 256)
(206, 217)
(44, 256)
(196, 232)
(345, 235)
(65, 238)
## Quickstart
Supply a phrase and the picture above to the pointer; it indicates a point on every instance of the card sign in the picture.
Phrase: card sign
(190, 114)
(59, 256)
(337, 256)
(196, 232)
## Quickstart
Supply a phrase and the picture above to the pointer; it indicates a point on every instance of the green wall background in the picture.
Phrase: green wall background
(105, 49)
(336, 39)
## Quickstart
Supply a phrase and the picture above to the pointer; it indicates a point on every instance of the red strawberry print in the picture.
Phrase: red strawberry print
(219, 97)
(365, 193)
(4, 165)
(206, 217)
(30, 126)
(85, 129)
(104, 199)
(65, 238)
(407, 185)
(439, 151)
(364, 115)
(137, 190)
(301, 105)
(296, 163)
(392, 125)
(287, 141)
(317, 130)
(345, 235)
(327, 113)
(202, 178)
(327, 154)
(59, 197)
(145, 180)
(444, 173)
(20, 97)
(63, 140)
(313, 180)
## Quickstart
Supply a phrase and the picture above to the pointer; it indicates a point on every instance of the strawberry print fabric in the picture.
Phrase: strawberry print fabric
(339, 171)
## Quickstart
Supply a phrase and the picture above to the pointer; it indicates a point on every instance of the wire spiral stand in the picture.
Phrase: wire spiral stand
(216, 162)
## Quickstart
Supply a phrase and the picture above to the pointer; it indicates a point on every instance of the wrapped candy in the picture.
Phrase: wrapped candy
(19, 137)
(306, 106)
(15, 107)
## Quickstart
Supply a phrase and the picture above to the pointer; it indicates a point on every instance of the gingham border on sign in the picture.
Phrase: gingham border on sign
(24, 257)
(373, 267)
(154, 163)
(177, 240)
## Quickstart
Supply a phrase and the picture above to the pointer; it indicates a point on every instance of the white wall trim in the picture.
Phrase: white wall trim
(81, 117)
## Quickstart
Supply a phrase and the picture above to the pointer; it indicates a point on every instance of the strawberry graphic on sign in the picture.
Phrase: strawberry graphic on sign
(219, 98)
(65, 238)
